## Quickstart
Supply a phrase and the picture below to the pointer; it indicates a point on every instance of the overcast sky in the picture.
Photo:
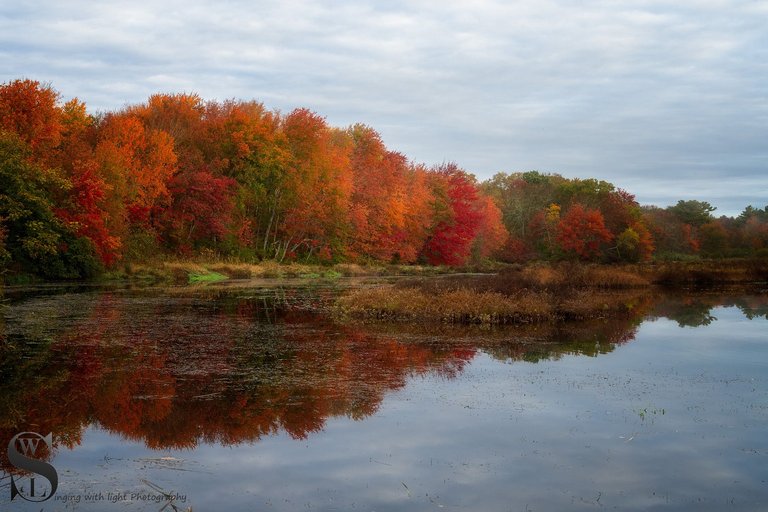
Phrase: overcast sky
(667, 99)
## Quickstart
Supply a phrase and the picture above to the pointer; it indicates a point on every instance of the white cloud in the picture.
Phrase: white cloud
(615, 89)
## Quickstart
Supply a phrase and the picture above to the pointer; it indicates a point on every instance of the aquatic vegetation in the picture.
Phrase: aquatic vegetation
(207, 277)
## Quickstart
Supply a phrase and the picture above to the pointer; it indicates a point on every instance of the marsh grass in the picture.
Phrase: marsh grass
(539, 292)
(455, 306)
(470, 305)
(553, 279)
(573, 275)
(707, 272)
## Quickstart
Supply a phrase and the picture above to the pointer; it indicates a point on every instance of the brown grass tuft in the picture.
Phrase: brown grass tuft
(455, 306)
(468, 306)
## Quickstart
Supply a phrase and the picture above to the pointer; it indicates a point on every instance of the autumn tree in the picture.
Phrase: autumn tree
(137, 164)
(750, 230)
(145, 159)
(582, 233)
(30, 110)
(35, 238)
(589, 192)
(200, 209)
(527, 200)
(521, 197)
(379, 202)
(85, 209)
(635, 243)
(180, 174)
(318, 188)
(451, 240)
(424, 210)
(253, 151)
(754, 232)
(182, 117)
(491, 233)
(60, 138)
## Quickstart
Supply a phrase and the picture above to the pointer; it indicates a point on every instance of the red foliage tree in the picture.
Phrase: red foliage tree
(582, 232)
(634, 243)
(86, 209)
(451, 239)
(200, 209)
(87, 218)
(516, 250)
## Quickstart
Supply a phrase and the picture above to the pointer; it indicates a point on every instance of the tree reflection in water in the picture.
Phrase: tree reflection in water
(173, 369)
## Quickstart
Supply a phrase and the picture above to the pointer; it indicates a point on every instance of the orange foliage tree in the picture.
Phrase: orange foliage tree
(180, 174)
(30, 110)
(137, 163)
(318, 187)
(582, 232)
(379, 204)
(491, 234)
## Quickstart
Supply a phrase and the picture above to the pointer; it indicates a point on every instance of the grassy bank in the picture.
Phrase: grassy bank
(705, 272)
(182, 272)
(538, 293)
(537, 276)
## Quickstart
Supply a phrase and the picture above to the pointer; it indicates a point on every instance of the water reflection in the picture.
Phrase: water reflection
(694, 309)
(173, 373)
(176, 368)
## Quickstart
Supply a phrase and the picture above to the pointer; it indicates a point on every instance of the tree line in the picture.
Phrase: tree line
(548, 216)
(178, 175)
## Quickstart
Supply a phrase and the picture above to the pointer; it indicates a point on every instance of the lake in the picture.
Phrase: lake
(253, 396)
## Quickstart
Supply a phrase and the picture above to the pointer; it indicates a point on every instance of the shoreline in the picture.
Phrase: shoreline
(551, 276)
(534, 294)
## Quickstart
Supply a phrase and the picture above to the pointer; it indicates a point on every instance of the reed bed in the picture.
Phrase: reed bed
(472, 306)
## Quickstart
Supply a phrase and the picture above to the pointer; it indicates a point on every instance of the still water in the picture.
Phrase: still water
(254, 397)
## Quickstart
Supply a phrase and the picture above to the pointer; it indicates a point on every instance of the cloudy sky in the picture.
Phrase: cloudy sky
(668, 99)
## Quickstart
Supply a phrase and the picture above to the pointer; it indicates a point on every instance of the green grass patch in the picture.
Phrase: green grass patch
(209, 277)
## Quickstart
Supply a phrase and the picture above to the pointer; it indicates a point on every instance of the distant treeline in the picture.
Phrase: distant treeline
(180, 176)
(551, 217)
